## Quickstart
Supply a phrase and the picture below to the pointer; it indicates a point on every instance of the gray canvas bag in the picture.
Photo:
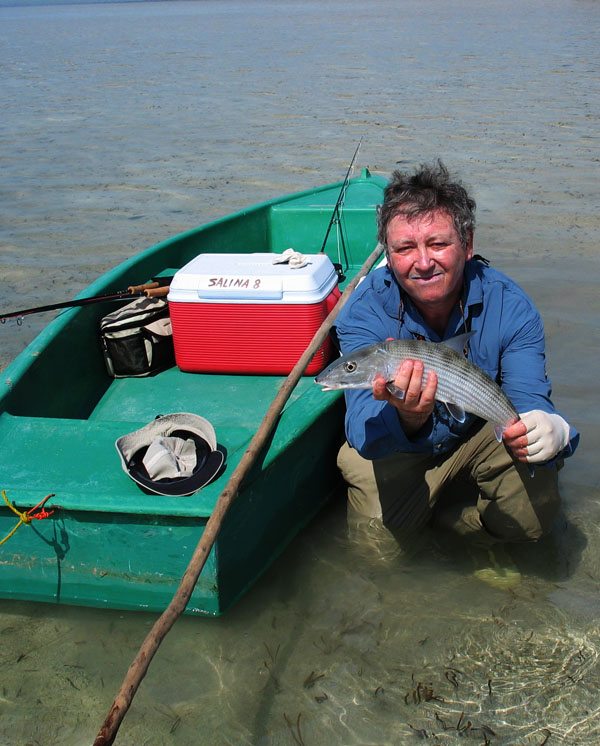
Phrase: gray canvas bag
(137, 339)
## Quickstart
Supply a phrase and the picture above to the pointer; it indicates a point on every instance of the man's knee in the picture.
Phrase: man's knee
(510, 531)
(528, 512)
(363, 494)
(515, 504)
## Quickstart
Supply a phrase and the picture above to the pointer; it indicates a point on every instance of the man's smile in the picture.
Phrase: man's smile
(426, 278)
(427, 258)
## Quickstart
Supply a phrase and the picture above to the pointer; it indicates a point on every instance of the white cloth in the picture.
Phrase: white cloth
(294, 258)
(169, 457)
(547, 435)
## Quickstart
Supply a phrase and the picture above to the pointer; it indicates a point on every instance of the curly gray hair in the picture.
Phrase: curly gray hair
(429, 188)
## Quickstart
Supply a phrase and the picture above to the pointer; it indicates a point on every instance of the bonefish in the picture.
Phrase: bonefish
(462, 386)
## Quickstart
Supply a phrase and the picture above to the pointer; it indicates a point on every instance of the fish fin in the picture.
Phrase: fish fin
(456, 411)
(458, 343)
(395, 390)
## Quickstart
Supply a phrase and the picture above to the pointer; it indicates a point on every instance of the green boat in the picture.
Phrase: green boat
(108, 543)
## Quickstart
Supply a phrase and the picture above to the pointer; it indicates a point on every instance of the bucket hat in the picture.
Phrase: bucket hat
(174, 455)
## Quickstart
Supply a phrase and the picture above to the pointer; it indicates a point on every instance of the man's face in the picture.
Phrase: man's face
(427, 258)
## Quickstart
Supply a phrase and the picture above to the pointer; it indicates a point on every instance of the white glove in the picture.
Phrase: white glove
(547, 435)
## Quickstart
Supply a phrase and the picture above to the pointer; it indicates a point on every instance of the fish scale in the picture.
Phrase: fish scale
(461, 383)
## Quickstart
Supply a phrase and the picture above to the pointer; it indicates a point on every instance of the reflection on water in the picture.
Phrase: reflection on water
(123, 124)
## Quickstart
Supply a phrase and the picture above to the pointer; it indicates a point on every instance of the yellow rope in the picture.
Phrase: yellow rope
(23, 517)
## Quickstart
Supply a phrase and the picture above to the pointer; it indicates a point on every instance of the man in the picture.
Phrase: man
(407, 461)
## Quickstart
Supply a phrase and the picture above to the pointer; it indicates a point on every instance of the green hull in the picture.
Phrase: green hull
(110, 544)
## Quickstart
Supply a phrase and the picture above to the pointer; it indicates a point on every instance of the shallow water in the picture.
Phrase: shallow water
(123, 124)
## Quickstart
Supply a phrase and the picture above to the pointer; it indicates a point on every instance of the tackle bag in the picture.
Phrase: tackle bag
(137, 339)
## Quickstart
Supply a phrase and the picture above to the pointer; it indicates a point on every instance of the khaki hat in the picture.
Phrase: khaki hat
(174, 455)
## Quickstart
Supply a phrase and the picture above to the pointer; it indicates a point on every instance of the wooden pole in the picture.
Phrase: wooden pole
(139, 667)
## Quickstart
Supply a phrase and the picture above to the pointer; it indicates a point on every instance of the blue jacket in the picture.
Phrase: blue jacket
(508, 345)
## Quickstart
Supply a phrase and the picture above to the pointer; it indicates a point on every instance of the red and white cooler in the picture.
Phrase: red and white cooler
(240, 313)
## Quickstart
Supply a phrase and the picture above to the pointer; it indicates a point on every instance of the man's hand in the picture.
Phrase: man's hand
(537, 437)
(416, 405)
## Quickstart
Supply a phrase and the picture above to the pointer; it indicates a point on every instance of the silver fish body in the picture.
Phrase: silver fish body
(462, 386)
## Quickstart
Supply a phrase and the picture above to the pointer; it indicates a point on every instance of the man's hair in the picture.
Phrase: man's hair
(429, 188)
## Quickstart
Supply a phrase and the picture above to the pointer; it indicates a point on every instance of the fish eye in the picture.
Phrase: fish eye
(350, 366)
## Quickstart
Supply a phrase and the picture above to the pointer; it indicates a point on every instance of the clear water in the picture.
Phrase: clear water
(123, 124)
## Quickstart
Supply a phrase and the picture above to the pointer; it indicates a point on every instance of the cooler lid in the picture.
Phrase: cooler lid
(252, 278)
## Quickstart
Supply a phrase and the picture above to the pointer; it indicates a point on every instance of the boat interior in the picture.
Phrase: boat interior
(61, 413)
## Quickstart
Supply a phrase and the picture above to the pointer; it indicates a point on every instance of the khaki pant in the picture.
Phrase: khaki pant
(477, 490)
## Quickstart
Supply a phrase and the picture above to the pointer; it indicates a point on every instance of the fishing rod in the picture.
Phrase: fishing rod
(149, 289)
(336, 215)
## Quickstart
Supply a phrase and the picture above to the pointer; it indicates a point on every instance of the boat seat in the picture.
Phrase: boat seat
(77, 461)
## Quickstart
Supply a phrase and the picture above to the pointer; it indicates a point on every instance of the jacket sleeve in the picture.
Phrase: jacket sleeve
(523, 361)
